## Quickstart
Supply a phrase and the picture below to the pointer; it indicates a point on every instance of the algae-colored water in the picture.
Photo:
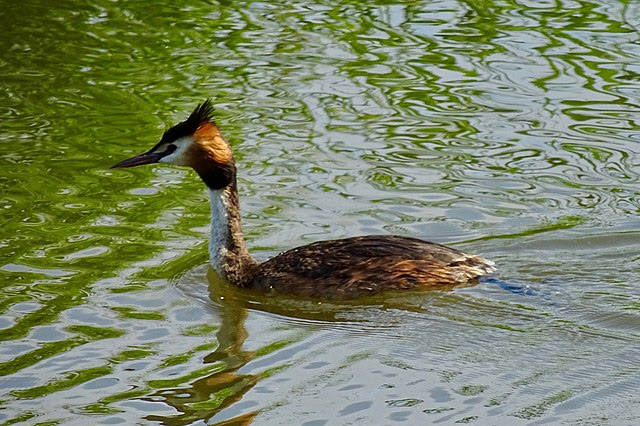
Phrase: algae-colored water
(504, 128)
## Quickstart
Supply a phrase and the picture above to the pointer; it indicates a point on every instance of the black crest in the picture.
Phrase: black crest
(202, 114)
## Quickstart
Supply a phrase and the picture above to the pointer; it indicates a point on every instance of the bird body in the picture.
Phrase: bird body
(365, 265)
(333, 269)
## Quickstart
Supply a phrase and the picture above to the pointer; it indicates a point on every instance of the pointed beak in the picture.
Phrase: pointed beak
(138, 160)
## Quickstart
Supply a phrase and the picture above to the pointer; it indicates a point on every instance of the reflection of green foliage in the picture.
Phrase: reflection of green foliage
(95, 333)
(438, 410)
(72, 379)
(184, 357)
(192, 375)
(272, 371)
(21, 418)
(51, 349)
(540, 408)
(513, 111)
(132, 354)
(49, 423)
(467, 419)
(479, 323)
(633, 306)
(48, 350)
(564, 223)
(407, 402)
(102, 406)
(272, 347)
(135, 314)
(471, 390)
(200, 330)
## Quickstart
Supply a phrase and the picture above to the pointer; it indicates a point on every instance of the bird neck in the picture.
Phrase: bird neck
(228, 253)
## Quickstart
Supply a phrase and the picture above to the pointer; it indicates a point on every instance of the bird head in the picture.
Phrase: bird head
(196, 143)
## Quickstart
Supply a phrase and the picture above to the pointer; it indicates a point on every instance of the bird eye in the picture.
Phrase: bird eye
(170, 149)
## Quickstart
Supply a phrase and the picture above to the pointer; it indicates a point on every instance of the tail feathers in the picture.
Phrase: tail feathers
(469, 267)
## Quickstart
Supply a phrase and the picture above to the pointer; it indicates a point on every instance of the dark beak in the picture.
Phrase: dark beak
(138, 160)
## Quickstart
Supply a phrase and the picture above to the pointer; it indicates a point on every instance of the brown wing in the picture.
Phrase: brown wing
(357, 266)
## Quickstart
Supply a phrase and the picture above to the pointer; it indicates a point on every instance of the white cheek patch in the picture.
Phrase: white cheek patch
(179, 156)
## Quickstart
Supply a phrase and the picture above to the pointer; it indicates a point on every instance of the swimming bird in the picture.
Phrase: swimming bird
(334, 269)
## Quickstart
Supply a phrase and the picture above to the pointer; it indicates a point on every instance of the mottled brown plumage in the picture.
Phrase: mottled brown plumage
(335, 269)
(359, 266)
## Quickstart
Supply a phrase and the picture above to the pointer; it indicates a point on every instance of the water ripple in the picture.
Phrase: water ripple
(507, 129)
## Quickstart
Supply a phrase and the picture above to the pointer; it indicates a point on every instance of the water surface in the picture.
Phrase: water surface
(504, 128)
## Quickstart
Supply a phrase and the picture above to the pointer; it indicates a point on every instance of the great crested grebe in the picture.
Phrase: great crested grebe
(334, 269)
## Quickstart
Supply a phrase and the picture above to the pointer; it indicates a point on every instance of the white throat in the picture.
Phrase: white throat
(219, 231)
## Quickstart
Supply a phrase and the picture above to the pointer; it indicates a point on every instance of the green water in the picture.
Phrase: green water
(505, 128)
